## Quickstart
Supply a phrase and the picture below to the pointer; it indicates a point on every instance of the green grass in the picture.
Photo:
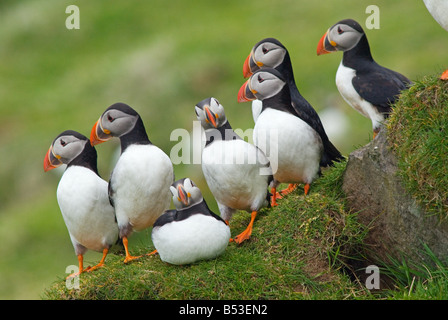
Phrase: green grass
(418, 134)
(422, 281)
(297, 251)
(161, 58)
(301, 250)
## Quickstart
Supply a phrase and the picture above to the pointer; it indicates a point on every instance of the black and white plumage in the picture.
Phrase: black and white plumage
(140, 181)
(439, 11)
(237, 172)
(365, 85)
(191, 232)
(82, 196)
(293, 147)
(271, 53)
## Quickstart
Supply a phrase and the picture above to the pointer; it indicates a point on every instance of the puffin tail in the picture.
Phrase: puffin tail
(331, 155)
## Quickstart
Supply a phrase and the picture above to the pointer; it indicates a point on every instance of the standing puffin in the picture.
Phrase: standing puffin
(191, 232)
(293, 147)
(237, 172)
(82, 196)
(365, 85)
(439, 11)
(271, 53)
(139, 183)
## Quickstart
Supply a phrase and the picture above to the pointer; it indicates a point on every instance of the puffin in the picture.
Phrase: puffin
(191, 232)
(271, 53)
(439, 11)
(293, 147)
(237, 173)
(140, 181)
(82, 197)
(366, 86)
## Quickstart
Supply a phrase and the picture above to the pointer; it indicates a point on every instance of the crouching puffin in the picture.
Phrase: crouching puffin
(365, 85)
(191, 232)
(82, 196)
(237, 172)
(293, 147)
(271, 53)
(139, 183)
(439, 11)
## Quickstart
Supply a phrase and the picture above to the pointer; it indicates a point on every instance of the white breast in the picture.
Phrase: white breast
(141, 180)
(84, 202)
(292, 146)
(344, 77)
(236, 173)
(439, 11)
(199, 237)
(257, 105)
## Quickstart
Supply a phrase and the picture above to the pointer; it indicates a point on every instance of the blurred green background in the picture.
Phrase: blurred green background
(160, 57)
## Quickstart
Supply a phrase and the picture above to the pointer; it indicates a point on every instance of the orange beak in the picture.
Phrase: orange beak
(321, 45)
(51, 161)
(183, 195)
(98, 134)
(250, 66)
(245, 94)
(210, 117)
(246, 67)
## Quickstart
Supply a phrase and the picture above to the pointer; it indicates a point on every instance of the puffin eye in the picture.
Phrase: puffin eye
(265, 50)
(340, 31)
(110, 118)
(260, 79)
(63, 143)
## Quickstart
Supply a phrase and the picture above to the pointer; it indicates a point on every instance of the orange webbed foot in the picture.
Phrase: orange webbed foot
(306, 188)
(291, 187)
(128, 258)
(81, 268)
(245, 235)
(131, 258)
(152, 253)
(275, 195)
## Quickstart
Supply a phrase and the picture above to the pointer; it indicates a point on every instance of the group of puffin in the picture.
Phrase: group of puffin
(290, 146)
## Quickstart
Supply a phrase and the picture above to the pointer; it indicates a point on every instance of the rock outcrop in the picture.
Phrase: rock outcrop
(398, 226)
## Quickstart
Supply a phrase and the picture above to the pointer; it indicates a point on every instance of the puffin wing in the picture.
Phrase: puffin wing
(310, 116)
(167, 217)
(381, 88)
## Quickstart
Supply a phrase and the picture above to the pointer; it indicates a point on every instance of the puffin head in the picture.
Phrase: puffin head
(268, 53)
(116, 121)
(263, 84)
(342, 36)
(66, 147)
(185, 193)
(211, 113)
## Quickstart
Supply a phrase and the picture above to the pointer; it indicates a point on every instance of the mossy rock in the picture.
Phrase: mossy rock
(398, 182)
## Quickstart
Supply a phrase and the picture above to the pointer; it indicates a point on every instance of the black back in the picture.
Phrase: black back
(374, 83)
(179, 215)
